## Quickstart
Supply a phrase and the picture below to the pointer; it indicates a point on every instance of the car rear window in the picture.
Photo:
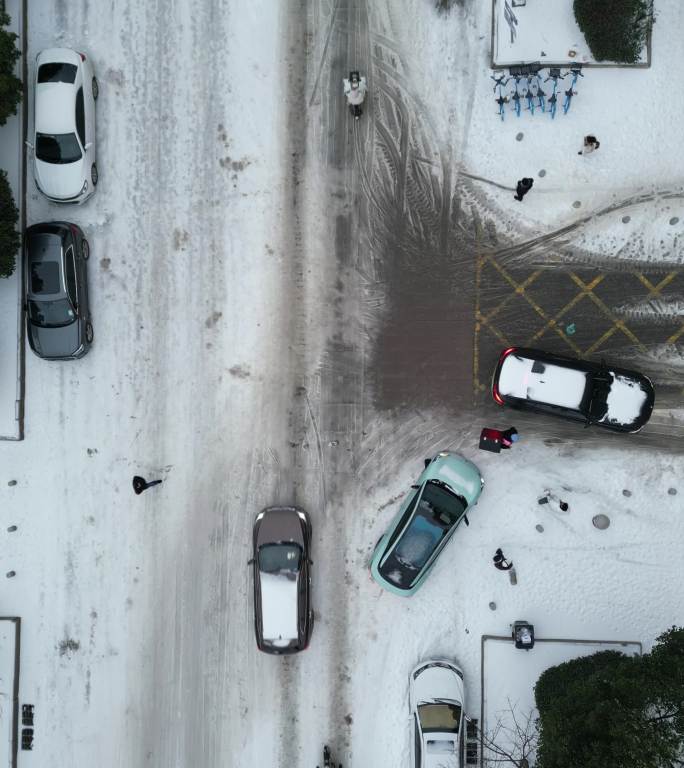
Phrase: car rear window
(45, 278)
(57, 72)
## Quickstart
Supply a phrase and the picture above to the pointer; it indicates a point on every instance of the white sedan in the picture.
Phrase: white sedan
(64, 141)
(437, 716)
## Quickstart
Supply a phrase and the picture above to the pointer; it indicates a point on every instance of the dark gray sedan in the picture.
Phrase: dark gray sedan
(57, 309)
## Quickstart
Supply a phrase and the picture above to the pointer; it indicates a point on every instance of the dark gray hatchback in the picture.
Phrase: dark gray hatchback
(283, 616)
(58, 319)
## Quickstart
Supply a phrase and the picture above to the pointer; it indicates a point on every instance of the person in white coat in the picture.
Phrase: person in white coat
(355, 90)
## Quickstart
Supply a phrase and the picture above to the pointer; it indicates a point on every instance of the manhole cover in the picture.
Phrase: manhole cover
(539, 527)
(601, 522)
(626, 219)
(519, 136)
(577, 204)
(674, 220)
(672, 491)
(542, 173)
(492, 606)
(625, 492)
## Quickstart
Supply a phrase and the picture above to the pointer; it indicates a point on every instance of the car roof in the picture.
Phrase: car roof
(523, 377)
(56, 107)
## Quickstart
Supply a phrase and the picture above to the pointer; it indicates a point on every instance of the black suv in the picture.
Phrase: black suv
(283, 616)
(579, 390)
(57, 308)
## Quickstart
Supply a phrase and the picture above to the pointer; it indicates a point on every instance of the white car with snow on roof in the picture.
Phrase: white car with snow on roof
(578, 390)
(436, 700)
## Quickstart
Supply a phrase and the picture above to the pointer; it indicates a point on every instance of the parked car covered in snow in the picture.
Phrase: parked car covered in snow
(436, 700)
(64, 141)
(447, 488)
(283, 616)
(579, 390)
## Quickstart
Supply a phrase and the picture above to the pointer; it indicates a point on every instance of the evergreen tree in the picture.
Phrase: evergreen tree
(10, 85)
(615, 30)
(9, 237)
(610, 709)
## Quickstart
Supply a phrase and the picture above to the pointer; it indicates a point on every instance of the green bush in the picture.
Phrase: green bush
(9, 237)
(615, 30)
(10, 85)
(610, 709)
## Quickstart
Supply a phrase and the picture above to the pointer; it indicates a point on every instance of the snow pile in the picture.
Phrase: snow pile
(279, 608)
(626, 398)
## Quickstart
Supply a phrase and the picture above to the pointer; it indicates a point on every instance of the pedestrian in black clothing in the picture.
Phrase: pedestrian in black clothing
(522, 188)
(140, 484)
(500, 561)
(591, 144)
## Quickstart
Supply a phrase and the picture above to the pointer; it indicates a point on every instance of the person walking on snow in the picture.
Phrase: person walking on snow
(355, 90)
(554, 501)
(522, 188)
(500, 561)
(140, 484)
(590, 144)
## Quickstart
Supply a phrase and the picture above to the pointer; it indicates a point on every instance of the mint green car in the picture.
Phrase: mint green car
(448, 487)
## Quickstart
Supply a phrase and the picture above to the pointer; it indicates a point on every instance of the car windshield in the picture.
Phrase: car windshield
(280, 558)
(57, 72)
(59, 149)
(437, 511)
(439, 717)
(51, 314)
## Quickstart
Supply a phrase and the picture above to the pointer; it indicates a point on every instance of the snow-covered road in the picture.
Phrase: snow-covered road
(284, 307)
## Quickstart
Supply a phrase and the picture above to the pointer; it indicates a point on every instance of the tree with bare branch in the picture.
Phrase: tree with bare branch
(512, 741)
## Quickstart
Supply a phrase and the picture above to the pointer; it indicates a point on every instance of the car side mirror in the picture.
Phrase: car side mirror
(310, 561)
(250, 561)
(428, 462)
(88, 146)
(465, 520)
(28, 144)
(415, 487)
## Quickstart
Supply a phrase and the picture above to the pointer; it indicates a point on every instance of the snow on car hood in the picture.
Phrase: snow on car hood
(278, 609)
(625, 400)
(60, 181)
(557, 385)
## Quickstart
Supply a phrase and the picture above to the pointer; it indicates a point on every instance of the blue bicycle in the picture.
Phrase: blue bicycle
(516, 96)
(575, 72)
(555, 75)
(501, 98)
(535, 87)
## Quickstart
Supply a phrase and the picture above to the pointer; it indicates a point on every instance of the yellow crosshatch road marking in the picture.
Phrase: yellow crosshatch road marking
(486, 320)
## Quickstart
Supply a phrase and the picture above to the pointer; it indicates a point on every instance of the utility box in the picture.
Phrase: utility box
(523, 635)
